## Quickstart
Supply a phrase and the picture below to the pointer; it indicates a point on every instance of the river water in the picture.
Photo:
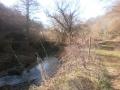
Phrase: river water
(50, 65)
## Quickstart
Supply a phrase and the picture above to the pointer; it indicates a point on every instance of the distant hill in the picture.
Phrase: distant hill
(108, 25)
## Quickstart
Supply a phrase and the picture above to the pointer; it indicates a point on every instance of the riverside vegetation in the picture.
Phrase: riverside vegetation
(88, 56)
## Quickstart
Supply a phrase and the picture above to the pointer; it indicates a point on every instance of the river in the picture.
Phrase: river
(50, 65)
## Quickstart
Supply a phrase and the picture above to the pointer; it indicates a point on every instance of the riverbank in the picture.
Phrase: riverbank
(78, 72)
(33, 77)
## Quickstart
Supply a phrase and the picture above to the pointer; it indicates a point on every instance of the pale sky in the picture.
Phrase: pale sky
(88, 8)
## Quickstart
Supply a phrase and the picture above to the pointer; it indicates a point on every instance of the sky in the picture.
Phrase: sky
(88, 8)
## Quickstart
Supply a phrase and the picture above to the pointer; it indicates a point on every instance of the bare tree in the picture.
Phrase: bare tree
(65, 17)
(28, 7)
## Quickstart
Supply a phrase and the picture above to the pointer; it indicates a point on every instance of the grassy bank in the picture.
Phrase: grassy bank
(108, 53)
(111, 60)
(78, 73)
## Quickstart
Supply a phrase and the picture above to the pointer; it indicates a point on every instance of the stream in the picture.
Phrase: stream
(50, 64)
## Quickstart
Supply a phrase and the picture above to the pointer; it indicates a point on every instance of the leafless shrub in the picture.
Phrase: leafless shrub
(65, 17)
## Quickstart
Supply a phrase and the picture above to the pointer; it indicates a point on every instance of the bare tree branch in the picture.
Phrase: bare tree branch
(28, 7)
(64, 16)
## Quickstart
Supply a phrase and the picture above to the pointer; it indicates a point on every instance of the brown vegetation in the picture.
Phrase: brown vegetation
(107, 26)
(81, 68)
(15, 49)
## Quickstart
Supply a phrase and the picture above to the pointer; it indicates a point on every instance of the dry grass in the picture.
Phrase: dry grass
(111, 60)
(108, 53)
(80, 69)
(52, 36)
(78, 72)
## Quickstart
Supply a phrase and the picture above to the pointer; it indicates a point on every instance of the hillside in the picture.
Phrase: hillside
(79, 55)
(15, 49)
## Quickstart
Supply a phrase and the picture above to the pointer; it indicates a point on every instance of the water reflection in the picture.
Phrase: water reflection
(34, 75)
